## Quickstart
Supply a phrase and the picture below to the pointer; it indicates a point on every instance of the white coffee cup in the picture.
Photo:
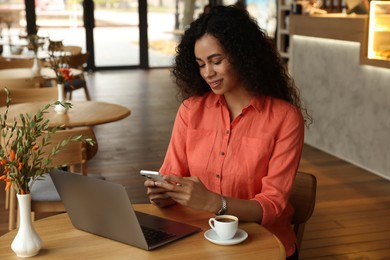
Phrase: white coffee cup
(224, 225)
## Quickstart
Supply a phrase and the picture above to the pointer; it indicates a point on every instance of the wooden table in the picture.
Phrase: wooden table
(26, 73)
(26, 54)
(83, 113)
(62, 241)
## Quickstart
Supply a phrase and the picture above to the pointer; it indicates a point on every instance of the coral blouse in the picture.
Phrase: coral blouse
(255, 156)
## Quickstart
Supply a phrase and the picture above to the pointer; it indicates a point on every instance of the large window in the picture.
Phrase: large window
(119, 37)
(264, 11)
(116, 33)
(12, 23)
(167, 20)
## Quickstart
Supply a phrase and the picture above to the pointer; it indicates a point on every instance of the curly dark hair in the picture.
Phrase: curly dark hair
(251, 52)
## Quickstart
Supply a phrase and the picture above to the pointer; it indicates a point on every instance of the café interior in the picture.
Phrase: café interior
(121, 51)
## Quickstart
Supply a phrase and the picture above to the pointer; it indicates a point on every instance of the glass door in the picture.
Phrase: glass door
(116, 35)
(167, 20)
(163, 31)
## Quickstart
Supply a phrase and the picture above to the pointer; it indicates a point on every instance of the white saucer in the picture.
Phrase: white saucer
(211, 236)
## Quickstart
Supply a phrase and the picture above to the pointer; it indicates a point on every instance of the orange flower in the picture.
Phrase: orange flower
(7, 180)
(65, 73)
(35, 147)
(12, 155)
(20, 166)
(9, 183)
(3, 161)
(6, 170)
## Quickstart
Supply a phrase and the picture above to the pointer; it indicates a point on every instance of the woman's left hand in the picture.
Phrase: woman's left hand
(189, 191)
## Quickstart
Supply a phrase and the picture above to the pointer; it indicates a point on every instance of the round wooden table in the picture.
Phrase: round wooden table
(62, 241)
(26, 73)
(26, 54)
(82, 113)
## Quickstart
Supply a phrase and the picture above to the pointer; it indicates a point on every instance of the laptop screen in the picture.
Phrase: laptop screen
(104, 208)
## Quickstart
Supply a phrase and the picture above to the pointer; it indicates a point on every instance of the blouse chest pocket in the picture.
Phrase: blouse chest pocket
(252, 155)
(257, 147)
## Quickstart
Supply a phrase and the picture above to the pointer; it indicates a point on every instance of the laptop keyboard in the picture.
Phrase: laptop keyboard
(154, 236)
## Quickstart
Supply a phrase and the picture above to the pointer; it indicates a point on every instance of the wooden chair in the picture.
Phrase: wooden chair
(22, 95)
(45, 197)
(77, 61)
(35, 82)
(303, 198)
(16, 83)
(72, 49)
(15, 63)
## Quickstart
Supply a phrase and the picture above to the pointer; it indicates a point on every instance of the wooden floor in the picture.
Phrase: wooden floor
(352, 215)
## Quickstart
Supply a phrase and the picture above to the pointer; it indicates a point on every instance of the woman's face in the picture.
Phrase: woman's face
(214, 66)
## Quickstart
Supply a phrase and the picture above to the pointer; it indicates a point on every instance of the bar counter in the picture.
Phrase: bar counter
(338, 27)
(347, 95)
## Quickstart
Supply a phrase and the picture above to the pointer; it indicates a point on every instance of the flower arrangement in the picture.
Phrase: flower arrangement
(21, 151)
(35, 42)
(59, 62)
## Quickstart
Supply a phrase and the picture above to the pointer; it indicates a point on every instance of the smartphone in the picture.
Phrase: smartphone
(152, 175)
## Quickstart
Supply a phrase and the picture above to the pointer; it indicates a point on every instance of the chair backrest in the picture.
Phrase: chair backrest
(75, 152)
(14, 83)
(303, 199)
(78, 61)
(72, 49)
(22, 95)
(16, 63)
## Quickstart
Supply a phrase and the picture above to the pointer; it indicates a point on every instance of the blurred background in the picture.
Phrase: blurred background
(116, 33)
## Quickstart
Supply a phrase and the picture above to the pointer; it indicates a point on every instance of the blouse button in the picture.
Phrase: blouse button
(227, 132)
(218, 176)
(222, 153)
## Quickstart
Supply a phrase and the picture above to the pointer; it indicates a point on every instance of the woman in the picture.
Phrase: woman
(238, 135)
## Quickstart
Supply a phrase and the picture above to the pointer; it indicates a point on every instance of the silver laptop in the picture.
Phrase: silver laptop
(104, 208)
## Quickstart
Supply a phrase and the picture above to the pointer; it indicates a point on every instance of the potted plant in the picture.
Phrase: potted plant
(34, 43)
(24, 162)
(58, 61)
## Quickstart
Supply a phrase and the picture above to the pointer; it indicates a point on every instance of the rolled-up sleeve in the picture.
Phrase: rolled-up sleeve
(282, 167)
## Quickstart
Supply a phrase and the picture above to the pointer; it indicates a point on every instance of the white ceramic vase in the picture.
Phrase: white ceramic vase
(61, 93)
(27, 242)
(36, 68)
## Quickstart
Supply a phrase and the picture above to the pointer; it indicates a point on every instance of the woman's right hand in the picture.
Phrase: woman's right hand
(157, 195)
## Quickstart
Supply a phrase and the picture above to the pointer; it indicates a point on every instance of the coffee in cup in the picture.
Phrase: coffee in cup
(224, 225)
